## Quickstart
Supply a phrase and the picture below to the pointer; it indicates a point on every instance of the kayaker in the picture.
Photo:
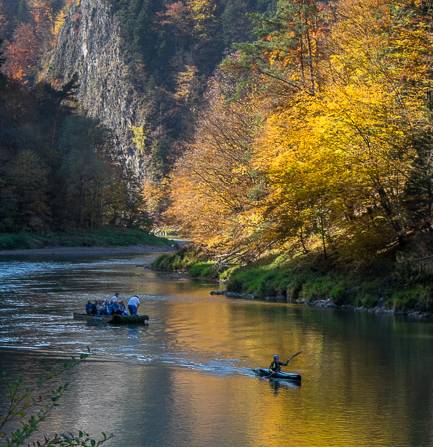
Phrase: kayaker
(276, 364)
(133, 304)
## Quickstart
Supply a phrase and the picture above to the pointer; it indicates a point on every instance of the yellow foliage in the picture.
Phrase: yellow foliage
(345, 155)
(154, 197)
(139, 138)
(330, 163)
(201, 11)
(212, 182)
(60, 20)
(185, 82)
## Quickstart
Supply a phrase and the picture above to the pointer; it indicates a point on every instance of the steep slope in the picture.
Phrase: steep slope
(89, 44)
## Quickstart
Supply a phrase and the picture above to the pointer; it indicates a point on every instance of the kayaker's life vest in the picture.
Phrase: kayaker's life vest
(275, 365)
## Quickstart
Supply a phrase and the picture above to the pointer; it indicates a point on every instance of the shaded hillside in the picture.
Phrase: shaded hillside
(141, 68)
(56, 171)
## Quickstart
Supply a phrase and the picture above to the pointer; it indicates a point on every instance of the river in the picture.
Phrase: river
(186, 380)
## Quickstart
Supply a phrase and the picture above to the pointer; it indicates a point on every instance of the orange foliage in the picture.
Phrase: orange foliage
(331, 153)
(29, 41)
(21, 53)
(213, 182)
(176, 14)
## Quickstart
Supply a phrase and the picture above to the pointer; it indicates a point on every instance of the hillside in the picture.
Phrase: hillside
(309, 145)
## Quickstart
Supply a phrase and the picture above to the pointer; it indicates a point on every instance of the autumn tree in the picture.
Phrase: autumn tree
(214, 181)
(21, 53)
(176, 16)
(341, 142)
(43, 16)
(339, 161)
(286, 56)
(201, 12)
(383, 80)
(30, 39)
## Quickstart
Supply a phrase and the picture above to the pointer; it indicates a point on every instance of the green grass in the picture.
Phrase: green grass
(263, 281)
(171, 262)
(81, 238)
(184, 261)
(310, 282)
(203, 270)
(358, 291)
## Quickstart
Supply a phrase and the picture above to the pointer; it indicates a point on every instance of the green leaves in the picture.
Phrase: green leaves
(24, 399)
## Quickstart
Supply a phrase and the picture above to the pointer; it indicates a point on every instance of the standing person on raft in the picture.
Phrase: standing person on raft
(133, 305)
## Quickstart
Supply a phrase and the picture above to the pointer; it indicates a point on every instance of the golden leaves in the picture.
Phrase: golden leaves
(329, 164)
(185, 82)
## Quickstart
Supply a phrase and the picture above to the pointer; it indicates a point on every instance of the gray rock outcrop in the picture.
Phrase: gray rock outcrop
(89, 44)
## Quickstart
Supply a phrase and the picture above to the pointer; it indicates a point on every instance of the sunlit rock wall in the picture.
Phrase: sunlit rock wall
(89, 44)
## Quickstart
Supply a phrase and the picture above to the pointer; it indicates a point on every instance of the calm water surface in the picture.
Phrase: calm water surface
(186, 379)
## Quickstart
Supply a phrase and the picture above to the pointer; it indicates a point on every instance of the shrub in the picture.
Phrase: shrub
(163, 262)
(416, 298)
(24, 399)
(203, 270)
(369, 301)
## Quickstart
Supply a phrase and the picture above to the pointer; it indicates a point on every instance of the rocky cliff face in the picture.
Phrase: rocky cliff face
(89, 44)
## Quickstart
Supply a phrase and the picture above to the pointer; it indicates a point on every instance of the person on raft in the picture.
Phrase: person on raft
(114, 298)
(133, 304)
(90, 308)
(276, 364)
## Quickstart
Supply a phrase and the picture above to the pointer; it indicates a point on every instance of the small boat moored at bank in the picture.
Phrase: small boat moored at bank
(279, 375)
(112, 319)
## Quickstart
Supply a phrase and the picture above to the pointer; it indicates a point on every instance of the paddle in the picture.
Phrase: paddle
(284, 364)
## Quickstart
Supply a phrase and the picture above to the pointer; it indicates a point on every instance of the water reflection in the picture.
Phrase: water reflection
(186, 380)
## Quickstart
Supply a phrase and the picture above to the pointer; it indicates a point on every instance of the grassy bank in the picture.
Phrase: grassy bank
(340, 289)
(389, 286)
(187, 261)
(81, 238)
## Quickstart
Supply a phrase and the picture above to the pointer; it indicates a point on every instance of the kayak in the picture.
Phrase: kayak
(113, 319)
(280, 375)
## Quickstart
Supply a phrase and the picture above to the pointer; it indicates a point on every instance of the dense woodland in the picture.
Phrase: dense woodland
(172, 49)
(56, 172)
(314, 134)
(317, 137)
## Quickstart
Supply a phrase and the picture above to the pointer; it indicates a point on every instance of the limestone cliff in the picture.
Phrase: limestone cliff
(89, 44)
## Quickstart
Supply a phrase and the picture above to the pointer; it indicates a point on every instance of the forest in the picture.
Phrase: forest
(56, 171)
(300, 128)
(187, 43)
(317, 138)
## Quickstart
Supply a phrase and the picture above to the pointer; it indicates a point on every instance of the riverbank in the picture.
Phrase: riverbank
(328, 304)
(385, 287)
(96, 251)
(105, 238)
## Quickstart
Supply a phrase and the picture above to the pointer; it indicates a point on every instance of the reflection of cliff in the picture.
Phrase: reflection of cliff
(89, 45)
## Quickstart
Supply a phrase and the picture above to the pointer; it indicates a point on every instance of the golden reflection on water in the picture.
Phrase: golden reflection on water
(186, 380)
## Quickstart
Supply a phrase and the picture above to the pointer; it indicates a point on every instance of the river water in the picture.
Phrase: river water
(186, 380)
